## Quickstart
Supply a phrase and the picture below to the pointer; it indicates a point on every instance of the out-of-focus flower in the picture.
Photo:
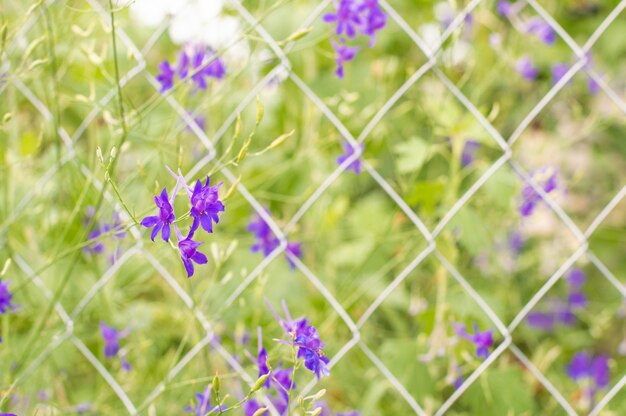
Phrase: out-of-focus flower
(558, 72)
(166, 76)
(203, 407)
(346, 18)
(504, 8)
(344, 54)
(585, 367)
(545, 178)
(525, 67)
(111, 337)
(482, 340)
(540, 28)
(469, 152)
(267, 242)
(348, 152)
(5, 297)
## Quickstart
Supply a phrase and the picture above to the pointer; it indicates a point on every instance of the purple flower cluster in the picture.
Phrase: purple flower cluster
(348, 152)
(546, 178)
(560, 69)
(535, 25)
(483, 341)
(525, 67)
(203, 407)
(205, 209)
(267, 242)
(352, 17)
(111, 337)
(559, 311)
(307, 341)
(595, 370)
(114, 228)
(5, 298)
(199, 62)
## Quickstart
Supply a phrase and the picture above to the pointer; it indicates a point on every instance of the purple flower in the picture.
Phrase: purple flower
(504, 8)
(262, 365)
(306, 338)
(344, 54)
(482, 340)
(541, 320)
(530, 197)
(111, 337)
(183, 65)
(115, 228)
(577, 300)
(205, 65)
(469, 152)
(596, 369)
(374, 19)
(526, 68)
(538, 27)
(576, 278)
(205, 205)
(189, 253)
(348, 152)
(251, 407)
(558, 72)
(516, 242)
(293, 249)
(162, 221)
(266, 241)
(166, 76)
(592, 86)
(5, 297)
(281, 378)
(203, 407)
(346, 18)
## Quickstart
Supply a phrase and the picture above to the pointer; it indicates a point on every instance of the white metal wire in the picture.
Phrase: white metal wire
(431, 251)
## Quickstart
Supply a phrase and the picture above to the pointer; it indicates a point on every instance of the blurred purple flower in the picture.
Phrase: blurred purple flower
(576, 278)
(504, 8)
(596, 369)
(295, 250)
(348, 152)
(111, 337)
(524, 66)
(469, 152)
(592, 86)
(165, 76)
(344, 54)
(266, 241)
(540, 28)
(346, 18)
(203, 407)
(5, 297)
(373, 20)
(558, 71)
(482, 340)
(577, 300)
(541, 320)
(516, 242)
(162, 221)
(251, 407)
(530, 197)
(205, 205)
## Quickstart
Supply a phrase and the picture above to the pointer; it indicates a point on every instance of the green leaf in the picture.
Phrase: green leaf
(411, 155)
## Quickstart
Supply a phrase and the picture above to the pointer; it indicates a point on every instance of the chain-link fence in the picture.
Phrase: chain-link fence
(430, 234)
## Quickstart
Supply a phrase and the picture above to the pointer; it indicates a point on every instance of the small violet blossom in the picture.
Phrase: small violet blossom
(205, 205)
(307, 340)
(538, 27)
(559, 70)
(546, 179)
(524, 66)
(504, 8)
(593, 369)
(162, 221)
(115, 229)
(352, 17)
(189, 253)
(469, 152)
(267, 242)
(111, 337)
(482, 340)
(199, 62)
(5, 297)
(203, 407)
(355, 165)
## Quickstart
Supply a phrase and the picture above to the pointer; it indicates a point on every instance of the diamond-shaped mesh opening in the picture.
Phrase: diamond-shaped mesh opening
(569, 122)
(435, 158)
(372, 241)
(494, 259)
(416, 333)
